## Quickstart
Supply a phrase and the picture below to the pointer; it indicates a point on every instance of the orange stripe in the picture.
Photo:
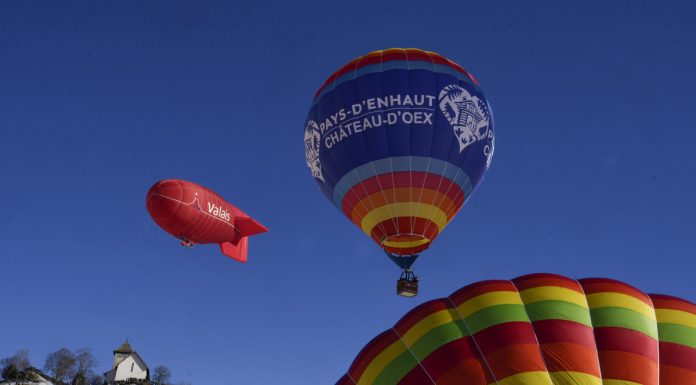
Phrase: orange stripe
(515, 359)
(404, 225)
(414, 180)
(672, 375)
(472, 370)
(629, 367)
(372, 201)
(571, 358)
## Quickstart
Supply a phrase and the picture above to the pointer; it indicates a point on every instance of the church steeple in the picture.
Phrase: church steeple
(127, 365)
(124, 348)
(122, 352)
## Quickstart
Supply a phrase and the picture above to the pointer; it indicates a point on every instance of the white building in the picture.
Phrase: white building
(127, 365)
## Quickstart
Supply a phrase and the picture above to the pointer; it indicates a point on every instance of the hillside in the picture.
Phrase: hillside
(32, 376)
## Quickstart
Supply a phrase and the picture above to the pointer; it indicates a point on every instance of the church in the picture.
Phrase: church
(127, 365)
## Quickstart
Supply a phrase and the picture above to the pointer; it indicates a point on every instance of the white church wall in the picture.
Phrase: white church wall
(118, 357)
(130, 368)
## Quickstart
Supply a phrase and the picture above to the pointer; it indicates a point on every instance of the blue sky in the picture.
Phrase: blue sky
(593, 173)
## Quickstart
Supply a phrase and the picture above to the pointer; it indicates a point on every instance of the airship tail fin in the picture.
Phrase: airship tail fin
(236, 251)
(248, 226)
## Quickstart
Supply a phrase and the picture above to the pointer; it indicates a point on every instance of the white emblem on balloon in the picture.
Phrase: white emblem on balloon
(468, 116)
(312, 140)
(488, 151)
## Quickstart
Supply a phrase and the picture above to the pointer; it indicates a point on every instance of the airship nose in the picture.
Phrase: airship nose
(163, 199)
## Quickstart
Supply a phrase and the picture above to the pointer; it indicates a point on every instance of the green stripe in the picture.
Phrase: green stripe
(495, 315)
(623, 318)
(438, 337)
(397, 369)
(678, 334)
(422, 348)
(562, 310)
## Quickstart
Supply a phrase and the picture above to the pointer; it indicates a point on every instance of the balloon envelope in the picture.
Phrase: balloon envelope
(540, 329)
(398, 140)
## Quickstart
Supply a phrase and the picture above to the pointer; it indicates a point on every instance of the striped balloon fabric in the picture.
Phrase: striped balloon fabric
(398, 140)
(539, 329)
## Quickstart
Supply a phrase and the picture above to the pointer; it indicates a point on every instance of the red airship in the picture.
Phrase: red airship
(195, 214)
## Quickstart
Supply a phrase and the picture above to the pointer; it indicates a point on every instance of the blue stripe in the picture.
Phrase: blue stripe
(397, 164)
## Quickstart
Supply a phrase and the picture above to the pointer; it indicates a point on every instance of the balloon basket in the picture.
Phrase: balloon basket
(407, 285)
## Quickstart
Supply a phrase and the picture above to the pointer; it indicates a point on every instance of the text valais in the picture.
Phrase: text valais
(218, 211)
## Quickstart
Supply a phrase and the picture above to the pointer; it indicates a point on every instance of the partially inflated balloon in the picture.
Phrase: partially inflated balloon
(539, 329)
(398, 140)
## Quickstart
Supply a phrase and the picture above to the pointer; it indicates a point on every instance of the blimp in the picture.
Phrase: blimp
(197, 215)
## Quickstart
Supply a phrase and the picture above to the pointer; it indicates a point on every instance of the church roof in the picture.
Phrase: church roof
(124, 348)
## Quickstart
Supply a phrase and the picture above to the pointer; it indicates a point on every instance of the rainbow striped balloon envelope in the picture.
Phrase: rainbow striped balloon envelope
(539, 329)
(398, 140)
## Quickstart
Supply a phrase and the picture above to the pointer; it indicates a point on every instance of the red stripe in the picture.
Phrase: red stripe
(678, 355)
(474, 372)
(458, 358)
(345, 380)
(439, 59)
(401, 179)
(668, 302)
(370, 351)
(418, 55)
(537, 280)
(626, 340)
(407, 250)
(409, 54)
(393, 55)
(419, 313)
(557, 330)
(515, 359)
(503, 335)
(475, 289)
(404, 225)
(603, 285)
(357, 210)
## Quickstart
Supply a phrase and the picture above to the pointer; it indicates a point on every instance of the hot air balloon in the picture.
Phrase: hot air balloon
(195, 214)
(398, 140)
(539, 329)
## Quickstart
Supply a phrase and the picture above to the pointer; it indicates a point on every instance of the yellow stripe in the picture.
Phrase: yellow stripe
(487, 300)
(406, 243)
(620, 382)
(526, 378)
(380, 362)
(427, 324)
(553, 293)
(670, 316)
(574, 378)
(599, 300)
(408, 209)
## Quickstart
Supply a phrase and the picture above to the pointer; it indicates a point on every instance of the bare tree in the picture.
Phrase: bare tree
(79, 379)
(85, 361)
(61, 364)
(9, 372)
(162, 375)
(96, 380)
(20, 360)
